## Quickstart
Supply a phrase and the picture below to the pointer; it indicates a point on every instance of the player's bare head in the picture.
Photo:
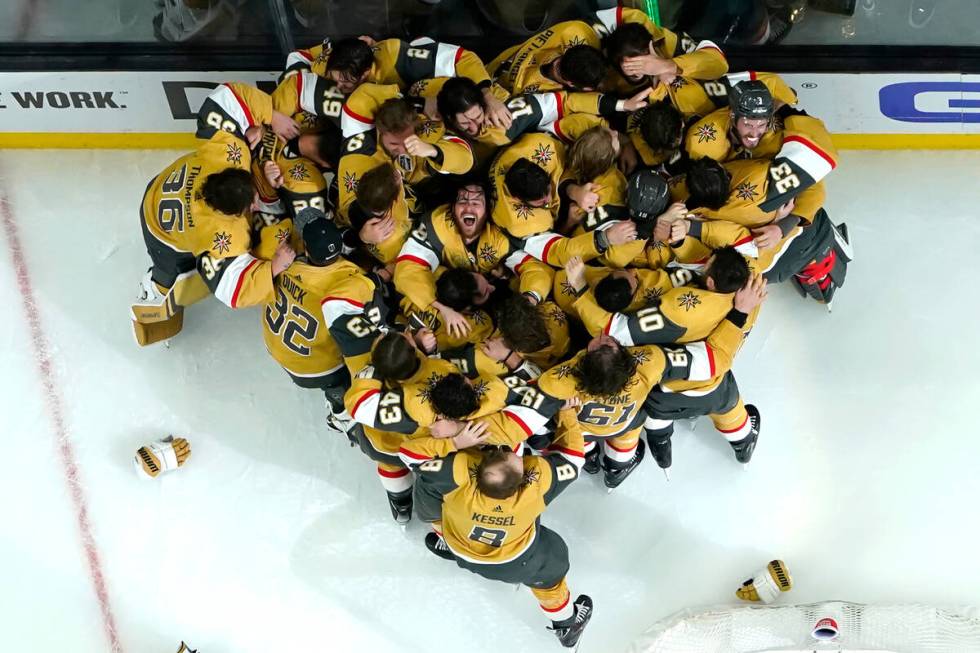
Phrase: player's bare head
(708, 183)
(394, 356)
(528, 182)
(454, 396)
(349, 63)
(592, 154)
(627, 40)
(321, 147)
(500, 473)
(615, 291)
(461, 289)
(605, 369)
(461, 105)
(662, 126)
(726, 270)
(230, 191)
(378, 189)
(522, 325)
(469, 210)
(395, 120)
(581, 68)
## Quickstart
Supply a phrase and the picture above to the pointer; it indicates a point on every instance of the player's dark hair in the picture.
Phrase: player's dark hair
(458, 95)
(591, 155)
(605, 371)
(508, 480)
(707, 184)
(522, 325)
(661, 126)
(613, 293)
(729, 270)
(395, 116)
(378, 189)
(456, 288)
(526, 180)
(394, 358)
(454, 397)
(230, 191)
(328, 145)
(350, 56)
(627, 40)
(582, 66)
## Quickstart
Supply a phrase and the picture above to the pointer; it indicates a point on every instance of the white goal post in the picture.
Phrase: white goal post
(861, 628)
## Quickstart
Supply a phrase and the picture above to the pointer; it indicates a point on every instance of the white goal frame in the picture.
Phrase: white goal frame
(862, 628)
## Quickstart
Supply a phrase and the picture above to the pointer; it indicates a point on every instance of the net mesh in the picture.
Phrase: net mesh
(757, 629)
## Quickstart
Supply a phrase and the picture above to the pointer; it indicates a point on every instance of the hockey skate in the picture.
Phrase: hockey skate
(438, 546)
(744, 447)
(661, 450)
(340, 422)
(592, 460)
(570, 630)
(401, 506)
(613, 476)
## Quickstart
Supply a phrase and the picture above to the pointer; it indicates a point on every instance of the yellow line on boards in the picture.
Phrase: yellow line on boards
(169, 141)
(90, 141)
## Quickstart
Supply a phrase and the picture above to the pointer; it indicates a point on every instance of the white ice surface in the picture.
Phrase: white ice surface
(276, 535)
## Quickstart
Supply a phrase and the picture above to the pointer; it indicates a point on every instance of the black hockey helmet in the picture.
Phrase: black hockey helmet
(647, 194)
(321, 237)
(752, 100)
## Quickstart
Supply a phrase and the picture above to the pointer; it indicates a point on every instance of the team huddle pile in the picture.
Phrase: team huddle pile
(500, 275)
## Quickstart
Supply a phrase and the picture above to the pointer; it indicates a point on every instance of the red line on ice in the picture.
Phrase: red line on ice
(66, 452)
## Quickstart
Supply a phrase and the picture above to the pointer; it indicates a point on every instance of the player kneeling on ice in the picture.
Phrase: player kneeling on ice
(195, 218)
(485, 506)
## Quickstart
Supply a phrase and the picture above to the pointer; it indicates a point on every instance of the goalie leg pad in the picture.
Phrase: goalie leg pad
(767, 583)
(161, 456)
(154, 332)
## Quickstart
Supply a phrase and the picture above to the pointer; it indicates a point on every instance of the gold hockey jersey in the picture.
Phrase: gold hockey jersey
(484, 530)
(513, 215)
(605, 417)
(400, 62)
(303, 183)
(651, 285)
(697, 99)
(363, 152)
(175, 213)
(436, 241)
(323, 317)
(393, 414)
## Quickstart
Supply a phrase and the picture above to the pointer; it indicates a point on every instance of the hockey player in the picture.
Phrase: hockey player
(391, 402)
(350, 62)
(324, 317)
(458, 235)
(668, 62)
(565, 115)
(614, 381)
(526, 177)
(486, 506)
(752, 126)
(416, 149)
(684, 313)
(194, 218)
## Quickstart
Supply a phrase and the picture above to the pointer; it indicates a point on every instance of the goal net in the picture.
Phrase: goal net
(859, 628)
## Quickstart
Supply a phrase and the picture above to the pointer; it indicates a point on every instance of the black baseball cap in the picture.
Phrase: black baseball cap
(321, 237)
